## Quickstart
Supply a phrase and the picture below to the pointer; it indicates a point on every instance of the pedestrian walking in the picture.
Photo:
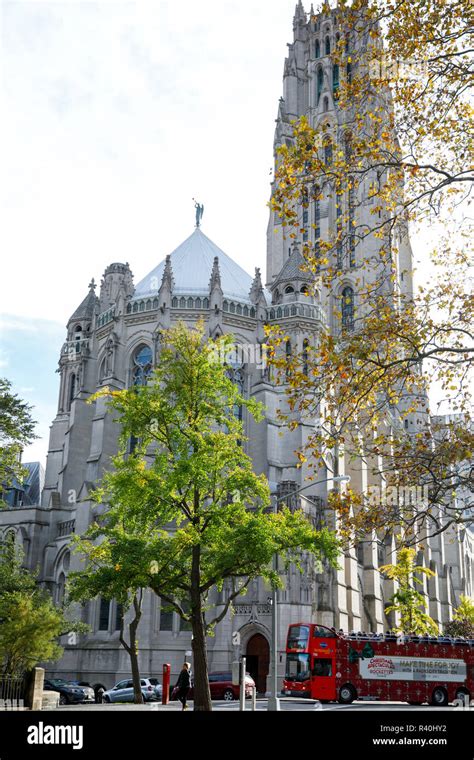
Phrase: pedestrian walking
(183, 684)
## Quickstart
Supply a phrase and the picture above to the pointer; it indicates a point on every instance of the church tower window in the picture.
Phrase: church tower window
(328, 151)
(327, 46)
(335, 77)
(319, 84)
(351, 234)
(317, 51)
(347, 308)
(305, 355)
(72, 389)
(339, 230)
(288, 356)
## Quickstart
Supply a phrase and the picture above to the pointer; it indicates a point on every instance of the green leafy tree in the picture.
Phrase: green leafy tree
(186, 513)
(16, 432)
(111, 572)
(30, 623)
(407, 600)
(462, 623)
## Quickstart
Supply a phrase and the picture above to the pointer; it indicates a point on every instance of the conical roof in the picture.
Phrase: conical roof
(86, 309)
(293, 269)
(191, 264)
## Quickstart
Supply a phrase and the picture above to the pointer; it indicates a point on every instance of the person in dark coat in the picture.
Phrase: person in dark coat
(183, 684)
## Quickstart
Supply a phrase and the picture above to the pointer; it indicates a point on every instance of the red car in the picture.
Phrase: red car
(221, 686)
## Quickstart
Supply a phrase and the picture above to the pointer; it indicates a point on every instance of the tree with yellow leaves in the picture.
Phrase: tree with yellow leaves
(404, 153)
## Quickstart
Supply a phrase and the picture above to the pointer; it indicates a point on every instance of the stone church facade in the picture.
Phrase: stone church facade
(113, 340)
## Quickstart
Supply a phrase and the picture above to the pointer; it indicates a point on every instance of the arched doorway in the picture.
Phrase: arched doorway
(258, 660)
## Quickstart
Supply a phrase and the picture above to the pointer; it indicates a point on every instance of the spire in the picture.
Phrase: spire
(300, 15)
(256, 291)
(167, 281)
(167, 285)
(215, 281)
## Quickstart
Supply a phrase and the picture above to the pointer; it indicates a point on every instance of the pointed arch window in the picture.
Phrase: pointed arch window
(317, 222)
(305, 356)
(72, 390)
(317, 50)
(319, 84)
(351, 229)
(339, 230)
(237, 376)
(327, 46)
(104, 611)
(328, 151)
(335, 77)
(347, 308)
(288, 357)
(141, 365)
(60, 589)
(349, 72)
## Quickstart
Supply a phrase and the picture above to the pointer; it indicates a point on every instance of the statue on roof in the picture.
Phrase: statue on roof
(199, 212)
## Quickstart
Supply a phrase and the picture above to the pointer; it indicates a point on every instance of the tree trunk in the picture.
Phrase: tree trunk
(137, 689)
(132, 647)
(202, 694)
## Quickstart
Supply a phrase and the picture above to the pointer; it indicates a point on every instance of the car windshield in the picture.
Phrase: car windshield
(297, 667)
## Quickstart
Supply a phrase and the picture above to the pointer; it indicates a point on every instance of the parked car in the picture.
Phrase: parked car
(221, 687)
(123, 691)
(69, 691)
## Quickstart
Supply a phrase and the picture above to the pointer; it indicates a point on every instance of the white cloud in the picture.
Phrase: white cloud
(118, 115)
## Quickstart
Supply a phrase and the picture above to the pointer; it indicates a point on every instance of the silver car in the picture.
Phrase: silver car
(123, 691)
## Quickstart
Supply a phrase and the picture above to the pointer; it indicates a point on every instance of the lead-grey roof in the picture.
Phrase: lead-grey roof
(85, 310)
(191, 263)
(293, 269)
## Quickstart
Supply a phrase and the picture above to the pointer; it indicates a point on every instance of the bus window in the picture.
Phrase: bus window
(298, 637)
(322, 667)
(323, 633)
(297, 667)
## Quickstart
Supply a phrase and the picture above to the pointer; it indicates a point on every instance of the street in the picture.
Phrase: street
(286, 704)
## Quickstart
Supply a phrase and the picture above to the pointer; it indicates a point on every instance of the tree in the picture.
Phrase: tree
(407, 601)
(187, 514)
(30, 623)
(462, 623)
(111, 573)
(405, 154)
(16, 432)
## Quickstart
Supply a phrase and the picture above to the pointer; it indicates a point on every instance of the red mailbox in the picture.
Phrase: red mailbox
(165, 697)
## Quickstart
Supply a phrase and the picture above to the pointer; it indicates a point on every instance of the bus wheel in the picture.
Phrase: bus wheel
(347, 694)
(439, 698)
(461, 694)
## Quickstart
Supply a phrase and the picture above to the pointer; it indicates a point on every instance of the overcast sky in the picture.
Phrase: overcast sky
(114, 115)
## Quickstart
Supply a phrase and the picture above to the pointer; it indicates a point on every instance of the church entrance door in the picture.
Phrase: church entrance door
(258, 661)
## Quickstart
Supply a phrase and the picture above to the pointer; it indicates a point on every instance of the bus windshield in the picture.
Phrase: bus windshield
(297, 667)
(298, 637)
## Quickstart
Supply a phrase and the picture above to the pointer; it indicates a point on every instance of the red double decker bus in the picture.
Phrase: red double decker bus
(329, 666)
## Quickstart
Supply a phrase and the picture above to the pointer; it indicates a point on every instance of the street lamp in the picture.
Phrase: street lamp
(273, 702)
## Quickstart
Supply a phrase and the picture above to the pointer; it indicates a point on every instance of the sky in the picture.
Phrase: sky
(114, 116)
